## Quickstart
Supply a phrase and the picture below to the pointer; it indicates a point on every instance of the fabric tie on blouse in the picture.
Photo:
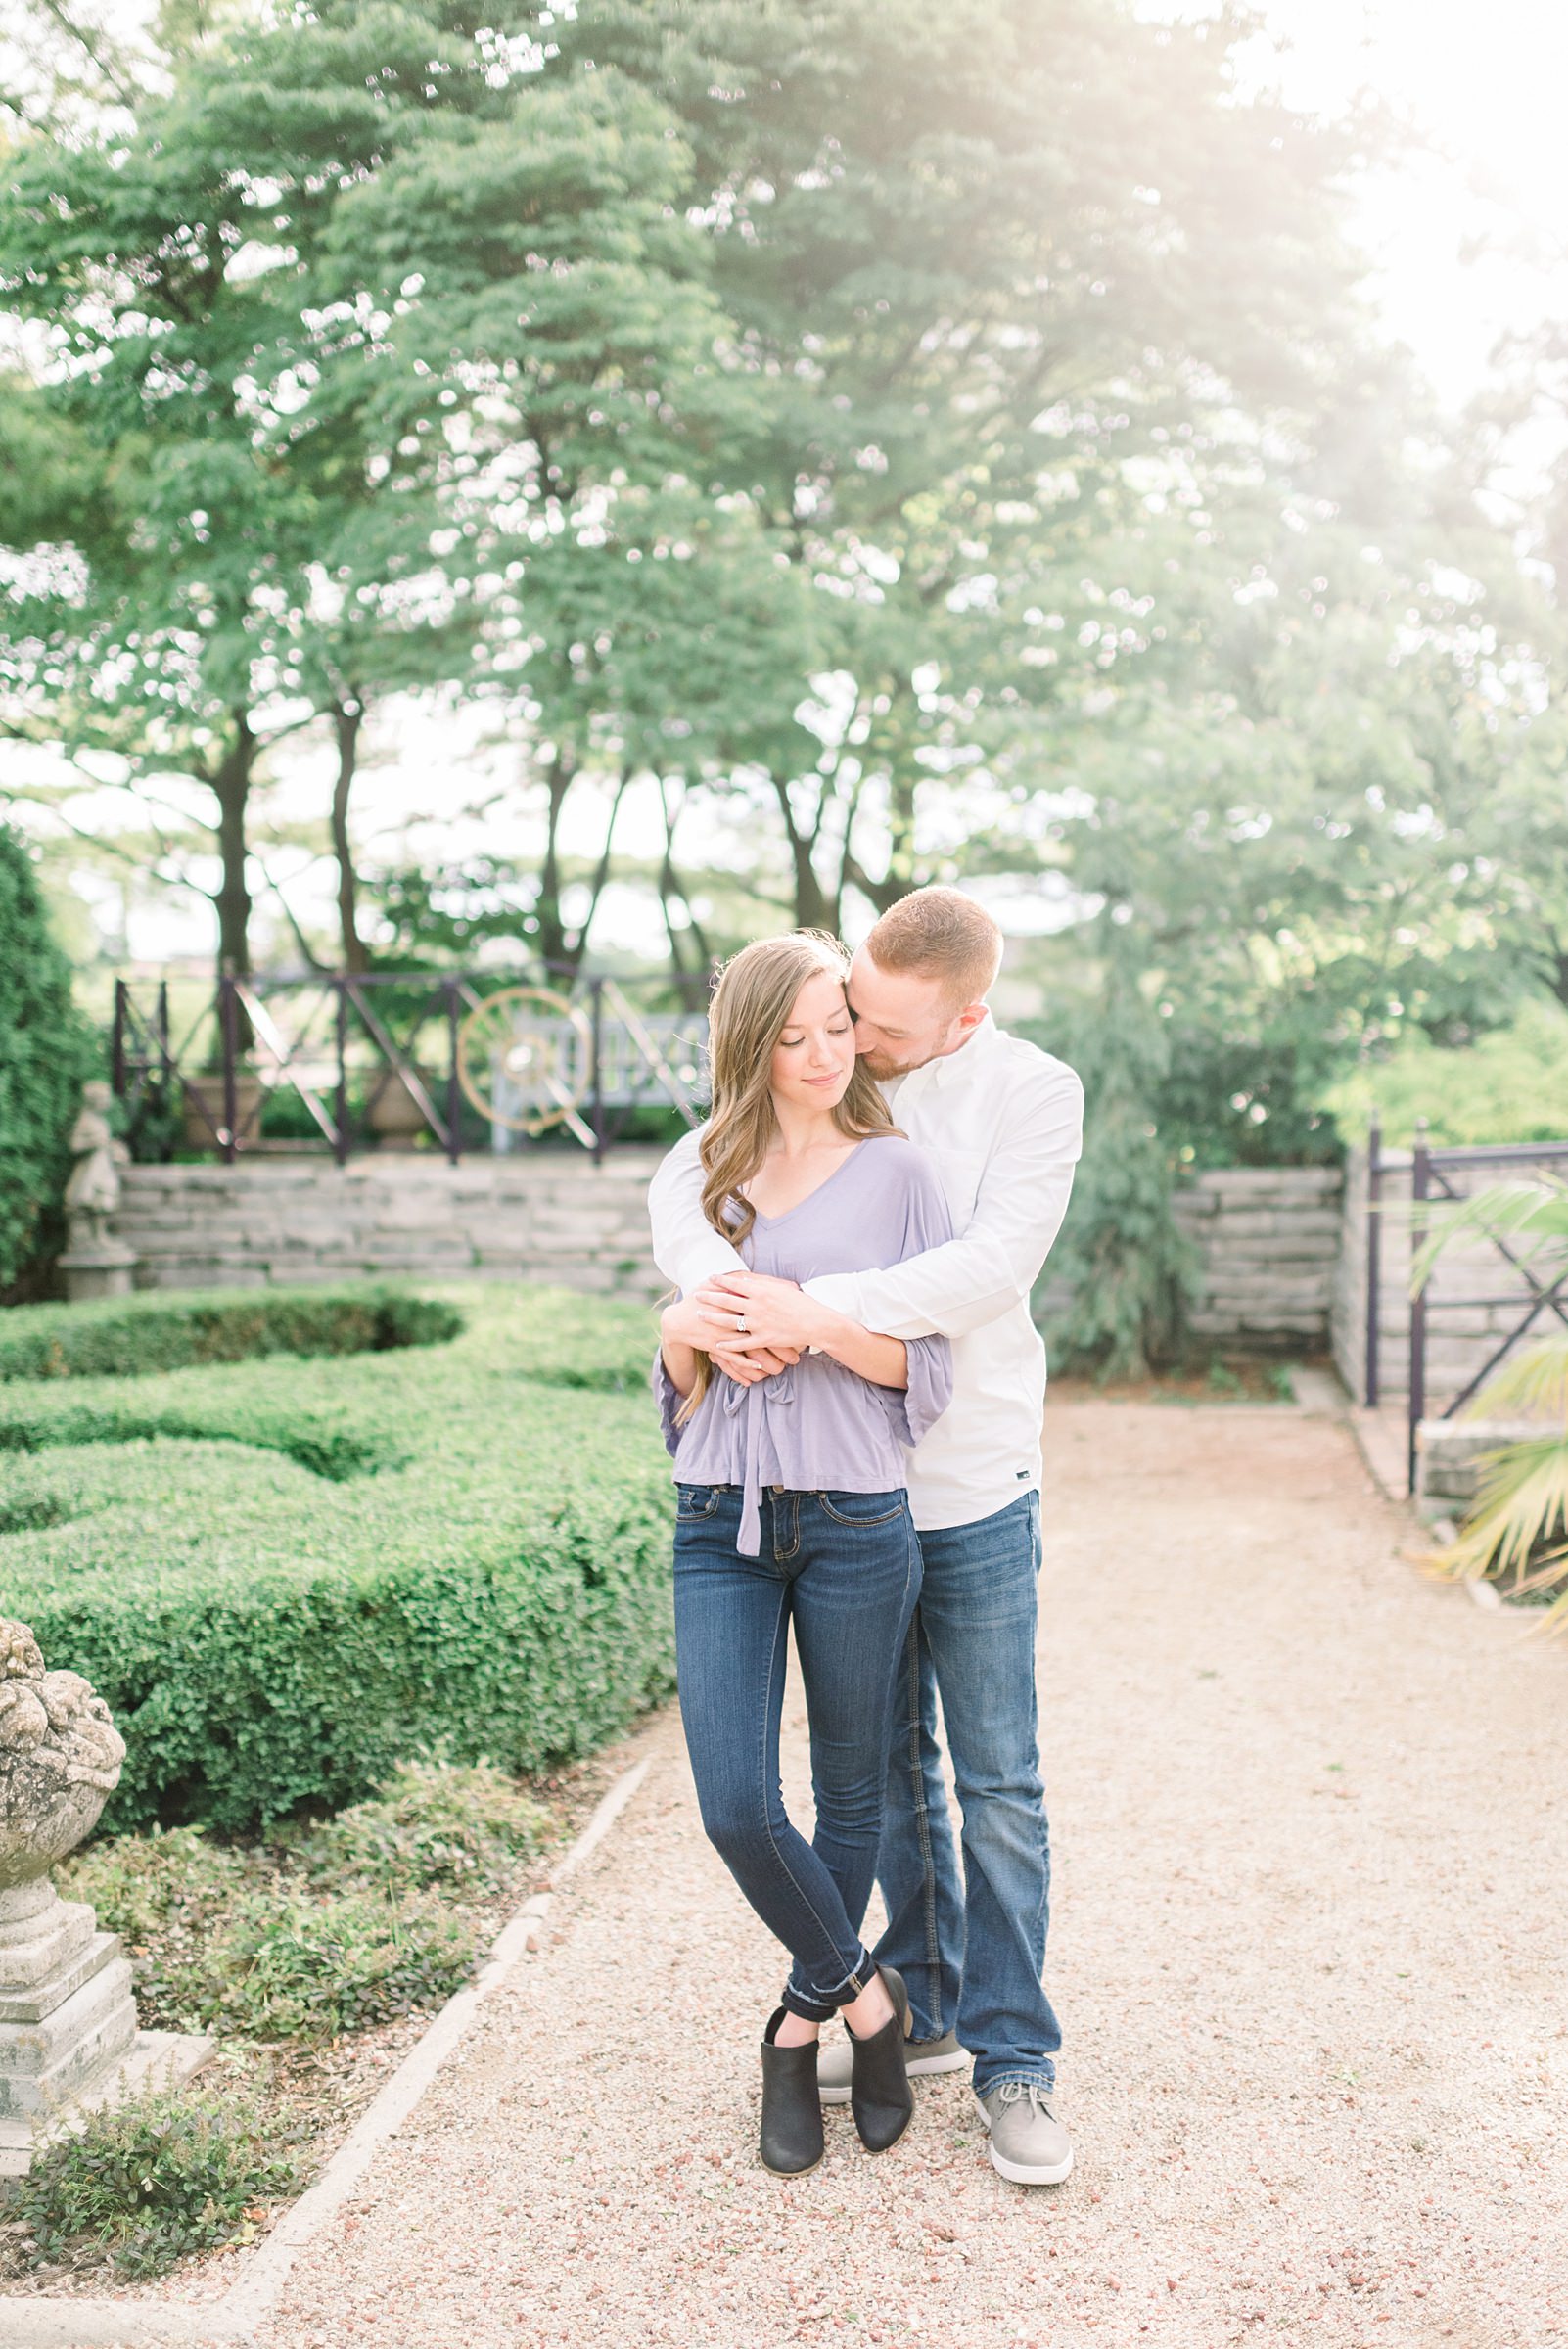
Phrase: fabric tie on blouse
(755, 1402)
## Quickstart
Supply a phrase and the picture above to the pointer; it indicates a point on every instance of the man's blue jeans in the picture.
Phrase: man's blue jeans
(845, 1567)
(972, 1962)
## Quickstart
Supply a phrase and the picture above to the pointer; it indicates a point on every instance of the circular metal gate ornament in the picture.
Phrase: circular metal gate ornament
(526, 1035)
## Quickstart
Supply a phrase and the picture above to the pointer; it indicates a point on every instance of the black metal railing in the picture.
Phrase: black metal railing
(343, 1061)
(1432, 1169)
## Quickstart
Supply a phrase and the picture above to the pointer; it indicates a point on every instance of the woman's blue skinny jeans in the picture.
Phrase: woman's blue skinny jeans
(845, 1567)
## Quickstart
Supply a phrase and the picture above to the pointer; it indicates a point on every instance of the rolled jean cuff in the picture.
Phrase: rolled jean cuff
(818, 2005)
(1044, 2078)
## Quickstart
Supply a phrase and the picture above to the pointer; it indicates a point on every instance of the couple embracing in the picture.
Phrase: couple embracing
(852, 1389)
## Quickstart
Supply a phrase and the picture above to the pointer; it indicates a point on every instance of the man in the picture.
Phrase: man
(1003, 1124)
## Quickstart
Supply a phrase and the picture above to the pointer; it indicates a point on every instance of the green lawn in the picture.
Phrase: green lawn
(286, 1574)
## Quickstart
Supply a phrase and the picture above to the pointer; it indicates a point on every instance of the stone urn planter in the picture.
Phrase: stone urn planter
(205, 1093)
(67, 2020)
(394, 1116)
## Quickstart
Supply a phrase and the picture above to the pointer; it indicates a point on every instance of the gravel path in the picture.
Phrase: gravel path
(1312, 1857)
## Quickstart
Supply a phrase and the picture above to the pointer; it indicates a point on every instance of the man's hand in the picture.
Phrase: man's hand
(776, 1314)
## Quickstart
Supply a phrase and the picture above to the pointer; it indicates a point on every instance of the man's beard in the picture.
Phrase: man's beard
(884, 1069)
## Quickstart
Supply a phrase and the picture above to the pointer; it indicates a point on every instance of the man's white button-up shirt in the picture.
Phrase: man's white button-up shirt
(1004, 1125)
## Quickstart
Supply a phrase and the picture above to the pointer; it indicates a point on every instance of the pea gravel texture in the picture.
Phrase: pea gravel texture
(1312, 1865)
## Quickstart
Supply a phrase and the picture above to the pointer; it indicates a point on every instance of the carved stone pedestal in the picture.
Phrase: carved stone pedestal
(95, 1264)
(69, 2040)
(105, 1271)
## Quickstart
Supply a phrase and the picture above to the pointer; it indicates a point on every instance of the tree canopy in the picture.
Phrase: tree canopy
(889, 445)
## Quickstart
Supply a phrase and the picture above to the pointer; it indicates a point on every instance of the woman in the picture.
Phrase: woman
(791, 1506)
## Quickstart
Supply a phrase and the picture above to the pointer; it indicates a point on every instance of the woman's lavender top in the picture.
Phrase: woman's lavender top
(819, 1427)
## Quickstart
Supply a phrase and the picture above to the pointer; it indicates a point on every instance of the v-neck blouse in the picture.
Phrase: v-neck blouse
(816, 1426)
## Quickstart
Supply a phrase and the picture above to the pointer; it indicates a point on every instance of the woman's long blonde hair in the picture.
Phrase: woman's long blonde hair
(749, 1013)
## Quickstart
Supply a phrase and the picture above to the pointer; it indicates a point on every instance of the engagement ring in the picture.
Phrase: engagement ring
(740, 1322)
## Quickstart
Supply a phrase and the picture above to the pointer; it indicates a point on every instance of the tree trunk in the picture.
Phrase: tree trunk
(900, 826)
(559, 780)
(231, 787)
(601, 873)
(812, 910)
(882, 894)
(230, 783)
(347, 717)
(691, 981)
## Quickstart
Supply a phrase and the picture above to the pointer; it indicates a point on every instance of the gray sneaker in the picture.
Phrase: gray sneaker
(1027, 2146)
(920, 2055)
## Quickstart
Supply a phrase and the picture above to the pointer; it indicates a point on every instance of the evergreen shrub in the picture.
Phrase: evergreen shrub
(1119, 1270)
(289, 1575)
(132, 1337)
(46, 1052)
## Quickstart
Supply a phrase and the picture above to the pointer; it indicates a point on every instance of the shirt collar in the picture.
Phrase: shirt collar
(951, 1068)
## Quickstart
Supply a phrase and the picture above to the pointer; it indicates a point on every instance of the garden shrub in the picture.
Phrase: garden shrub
(133, 1337)
(1120, 1267)
(46, 1052)
(272, 1633)
(23, 1511)
(151, 2180)
(118, 1416)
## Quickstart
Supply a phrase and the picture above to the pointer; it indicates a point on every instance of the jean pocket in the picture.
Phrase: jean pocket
(694, 1502)
(863, 1508)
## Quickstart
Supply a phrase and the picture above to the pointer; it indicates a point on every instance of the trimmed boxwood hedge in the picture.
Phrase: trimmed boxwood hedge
(131, 1337)
(287, 1575)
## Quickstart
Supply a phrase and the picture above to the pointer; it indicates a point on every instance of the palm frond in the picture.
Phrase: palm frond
(1555, 1617)
(1536, 1212)
(1546, 1571)
(1533, 1384)
(1521, 1502)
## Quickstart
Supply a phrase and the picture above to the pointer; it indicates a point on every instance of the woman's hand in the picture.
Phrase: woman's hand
(687, 1324)
(754, 1309)
(776, 1313)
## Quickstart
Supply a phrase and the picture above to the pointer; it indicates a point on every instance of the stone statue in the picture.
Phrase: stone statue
(95, 1264)
(93, 1192)
(67, 2019)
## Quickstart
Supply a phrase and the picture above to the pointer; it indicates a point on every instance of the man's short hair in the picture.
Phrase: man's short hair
(940, 933)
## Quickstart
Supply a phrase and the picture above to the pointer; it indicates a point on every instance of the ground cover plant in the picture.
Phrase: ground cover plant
(310, 1954)
(287, 1575)
(159, 2176)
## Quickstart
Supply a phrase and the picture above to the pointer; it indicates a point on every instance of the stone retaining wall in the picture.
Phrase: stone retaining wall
(547, 1215)
(1267, 1240)
(1267, 1237)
